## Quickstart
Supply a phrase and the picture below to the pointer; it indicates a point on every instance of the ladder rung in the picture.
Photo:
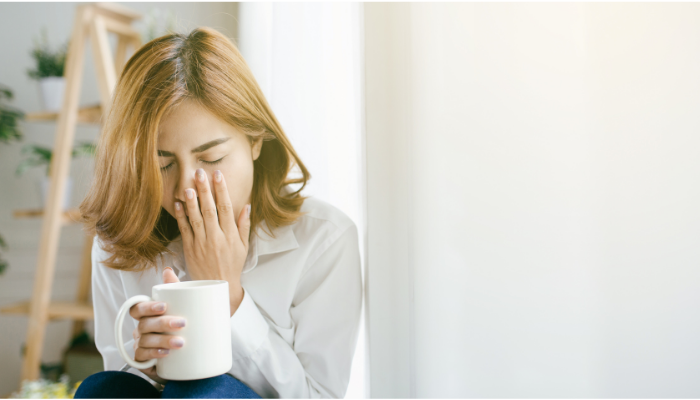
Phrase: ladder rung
(121, 28)
(86, 115)
(117, 11)
(57, 310)
(71, 216)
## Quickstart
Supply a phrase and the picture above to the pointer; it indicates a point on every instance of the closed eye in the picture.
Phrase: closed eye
(214, 162)
(204, 161)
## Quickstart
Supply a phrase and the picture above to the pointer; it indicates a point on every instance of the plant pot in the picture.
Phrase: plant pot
(52, 89)
(45, 184)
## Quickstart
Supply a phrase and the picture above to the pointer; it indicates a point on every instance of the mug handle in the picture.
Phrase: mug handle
(120, 339)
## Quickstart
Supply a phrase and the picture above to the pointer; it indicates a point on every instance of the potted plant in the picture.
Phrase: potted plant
(9, 117)
(47, 389)
(40, 155)
(3, 262)
(49, 72)
(9, 131)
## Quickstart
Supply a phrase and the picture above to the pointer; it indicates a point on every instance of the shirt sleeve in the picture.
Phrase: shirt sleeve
(108, 295)
(326, 317)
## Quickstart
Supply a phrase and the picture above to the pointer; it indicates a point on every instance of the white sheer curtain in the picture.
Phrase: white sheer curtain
(308, 60)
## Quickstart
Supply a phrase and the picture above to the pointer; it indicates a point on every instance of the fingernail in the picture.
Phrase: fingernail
(190, 193)
(201, 176)
(163, 351)
(177, 205)
(217, 175)
(177, 342)
(248, 211)
(159, 307)
(177, 323)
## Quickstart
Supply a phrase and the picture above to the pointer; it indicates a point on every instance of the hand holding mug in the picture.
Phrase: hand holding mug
(149, 340)
(206, 350)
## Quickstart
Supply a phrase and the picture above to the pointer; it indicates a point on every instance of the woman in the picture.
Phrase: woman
(190, 184)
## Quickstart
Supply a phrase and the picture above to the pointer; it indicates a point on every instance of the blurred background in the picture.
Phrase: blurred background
(524, 177)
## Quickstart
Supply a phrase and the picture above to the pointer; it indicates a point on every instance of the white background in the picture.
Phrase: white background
(533, 218)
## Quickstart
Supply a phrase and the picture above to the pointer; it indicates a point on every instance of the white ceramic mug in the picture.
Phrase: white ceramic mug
(207, 351)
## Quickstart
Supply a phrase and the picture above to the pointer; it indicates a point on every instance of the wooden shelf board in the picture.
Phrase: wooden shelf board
(86, 115)
(122, 29)
(57, 310)
(118, 11)
(70, 216)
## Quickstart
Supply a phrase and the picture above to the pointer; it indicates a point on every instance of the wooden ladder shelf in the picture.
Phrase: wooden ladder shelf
(93, 21)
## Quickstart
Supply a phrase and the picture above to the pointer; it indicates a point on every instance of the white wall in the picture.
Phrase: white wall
(532, 199)
(307, 58)
(19, 24)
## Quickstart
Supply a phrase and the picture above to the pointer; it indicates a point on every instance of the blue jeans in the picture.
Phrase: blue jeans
(124, 385)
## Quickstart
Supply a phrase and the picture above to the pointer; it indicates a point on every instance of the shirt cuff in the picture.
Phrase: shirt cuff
(248, 328)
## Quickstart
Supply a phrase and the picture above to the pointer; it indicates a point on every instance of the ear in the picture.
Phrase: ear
(256, 148)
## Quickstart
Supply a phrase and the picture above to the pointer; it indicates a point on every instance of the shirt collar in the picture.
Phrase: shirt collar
(260, 244)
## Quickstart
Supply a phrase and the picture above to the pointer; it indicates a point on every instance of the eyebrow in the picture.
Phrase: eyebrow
(198, 149)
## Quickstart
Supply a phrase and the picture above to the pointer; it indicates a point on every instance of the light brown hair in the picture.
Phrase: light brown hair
(124, 204)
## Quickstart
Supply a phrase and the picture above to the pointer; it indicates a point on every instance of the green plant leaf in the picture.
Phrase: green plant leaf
(9, 130)
(38, 151)
(6, 92)
(28, 163)
(43, 152)
(40, 155)
(48, 62)
(84, 149)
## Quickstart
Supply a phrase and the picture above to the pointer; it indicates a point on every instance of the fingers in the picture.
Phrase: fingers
(156, 341)
(184, 225)
(169, 276)
(150, 343)
(227, 220)
(244, 225)
(147, 308)
(206, 203)
(166, 323)
(196, 220)
(153, 345)
(143, 354)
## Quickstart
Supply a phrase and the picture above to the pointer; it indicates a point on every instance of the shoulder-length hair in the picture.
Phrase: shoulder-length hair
(123, 206)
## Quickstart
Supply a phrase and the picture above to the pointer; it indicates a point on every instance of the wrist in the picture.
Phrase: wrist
(235, 296)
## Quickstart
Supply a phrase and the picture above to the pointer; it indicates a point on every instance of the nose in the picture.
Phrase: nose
(184, 182)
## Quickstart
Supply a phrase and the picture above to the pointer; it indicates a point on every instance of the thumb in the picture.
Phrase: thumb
(169, 276)
(244, 225)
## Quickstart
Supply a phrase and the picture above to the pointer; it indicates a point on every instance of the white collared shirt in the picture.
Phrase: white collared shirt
(294, 333)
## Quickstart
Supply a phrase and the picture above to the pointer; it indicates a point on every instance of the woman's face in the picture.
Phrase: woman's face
(191, 137)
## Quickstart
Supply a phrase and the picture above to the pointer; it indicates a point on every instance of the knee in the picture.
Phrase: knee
(89, 387)
(217, 387)
(100, 378)
(205, 382)
(115, 384)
